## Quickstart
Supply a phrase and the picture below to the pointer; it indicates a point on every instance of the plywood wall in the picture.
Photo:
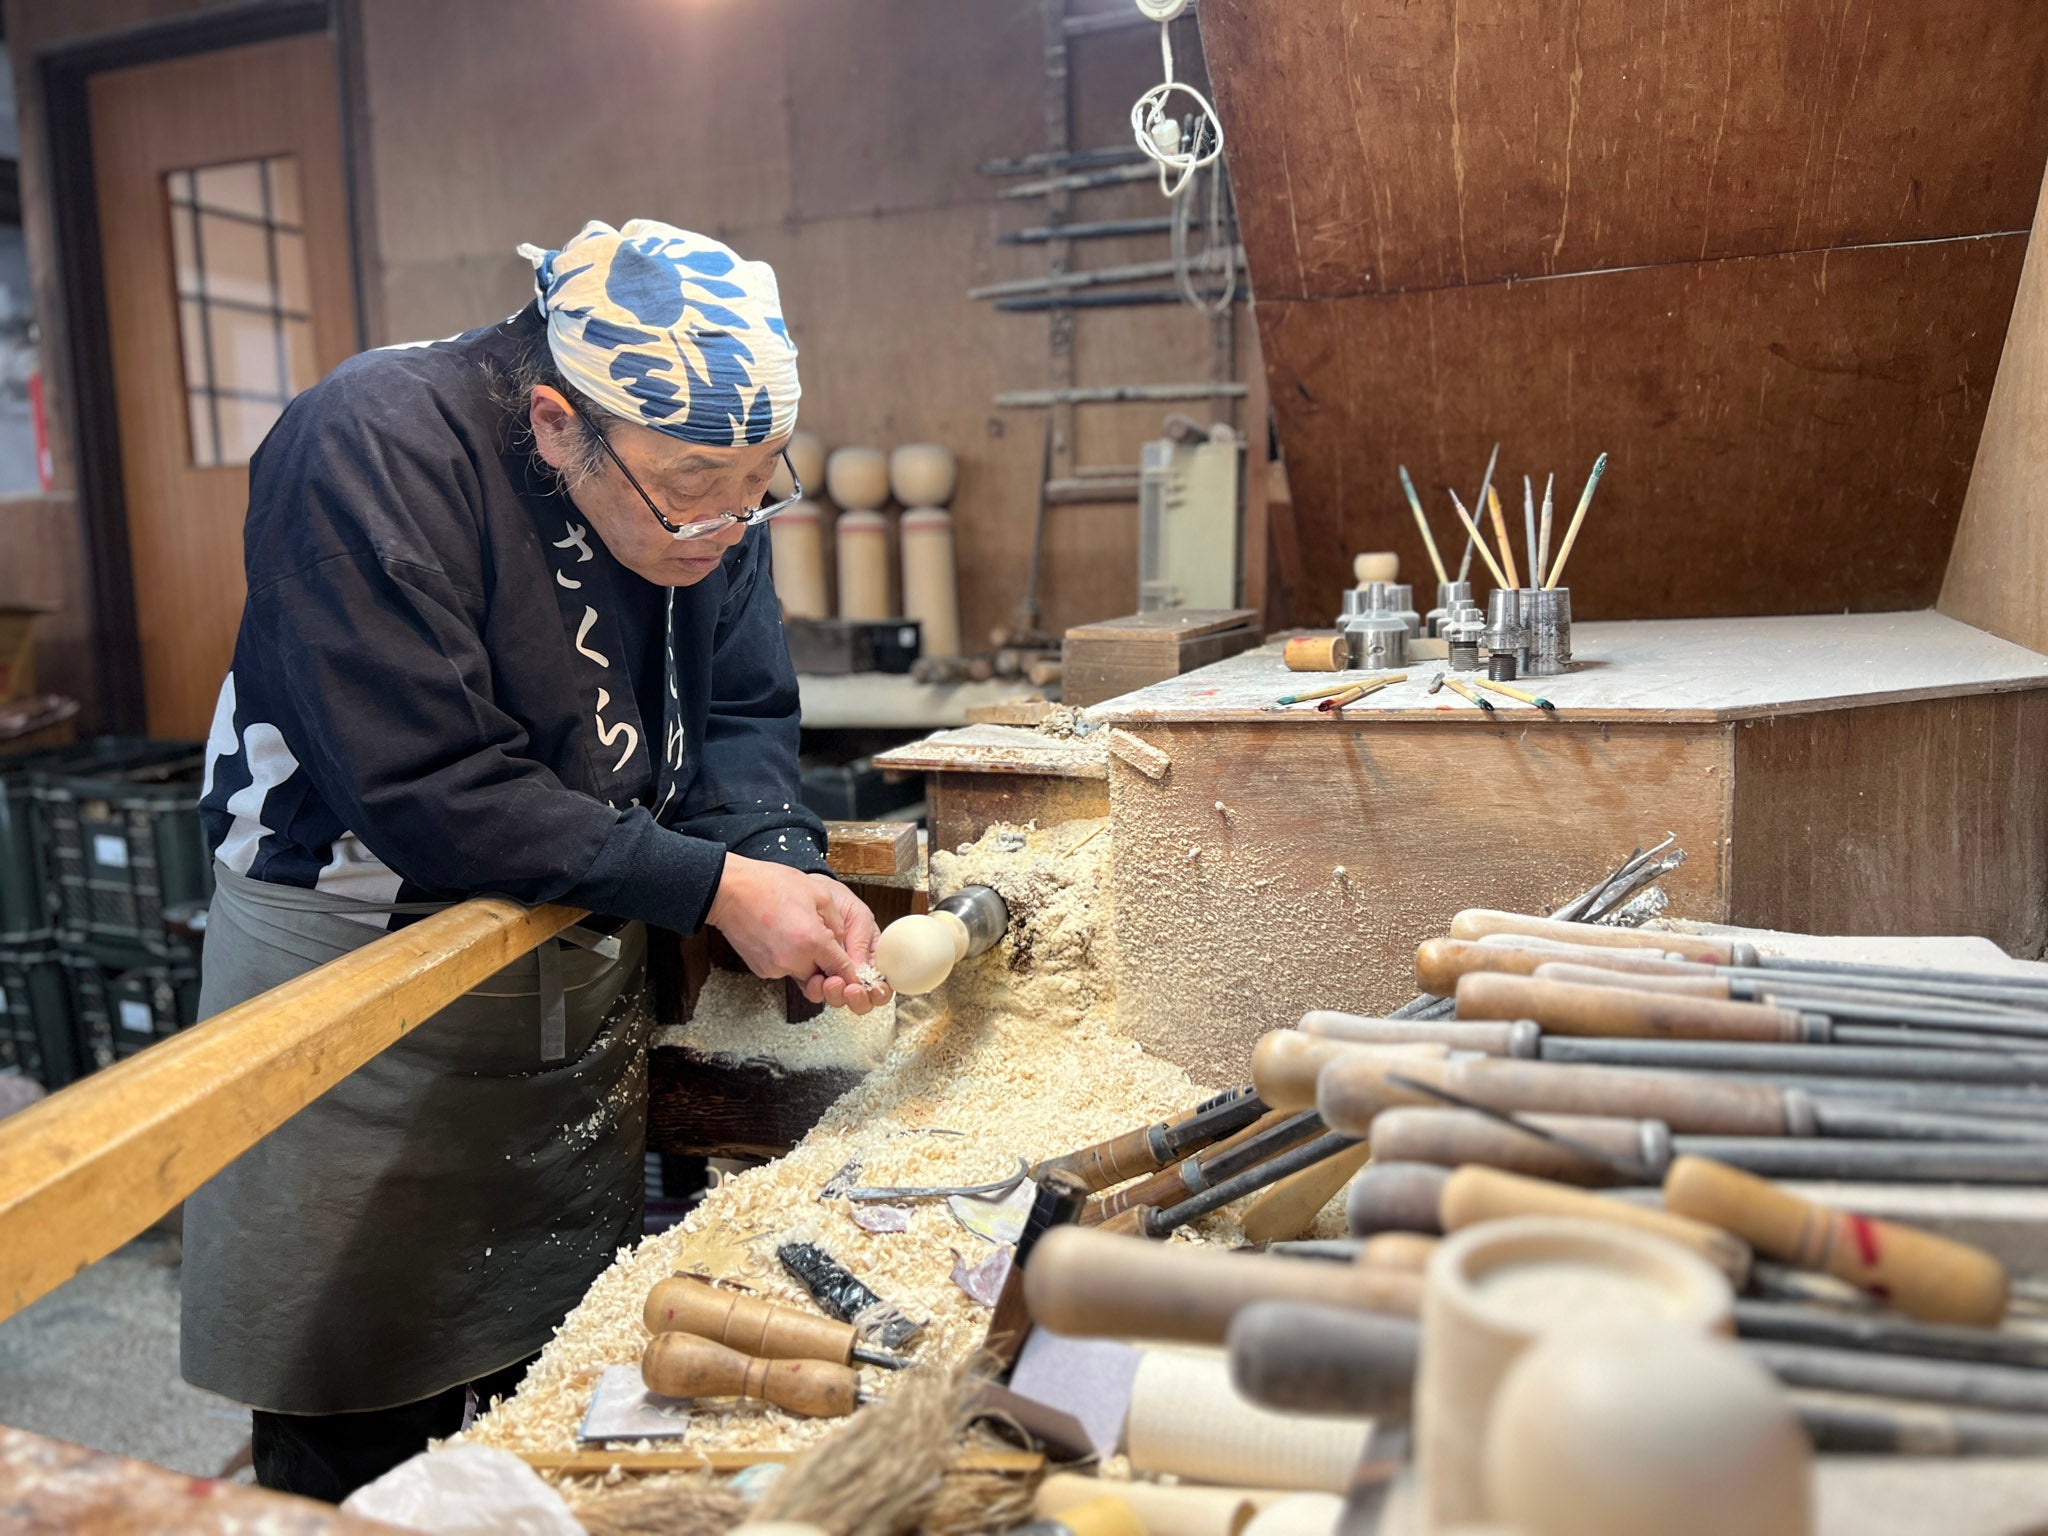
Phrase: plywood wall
(1762, 252)
(837, 139)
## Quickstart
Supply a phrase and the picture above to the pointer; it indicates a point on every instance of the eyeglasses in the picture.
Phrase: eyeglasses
(712, 525)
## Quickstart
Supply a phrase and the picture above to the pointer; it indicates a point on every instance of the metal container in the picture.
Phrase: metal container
(1500, 666)
(1398, 598)
(1379, 641)
(1507, 631)
(1449, 594)
(1464, 629)
(1549, 617)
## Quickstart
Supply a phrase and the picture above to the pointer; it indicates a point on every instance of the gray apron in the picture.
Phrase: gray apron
(434, 1215)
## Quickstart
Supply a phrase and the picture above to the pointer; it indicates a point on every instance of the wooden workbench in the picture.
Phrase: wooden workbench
(984, 774)
(1875, 773)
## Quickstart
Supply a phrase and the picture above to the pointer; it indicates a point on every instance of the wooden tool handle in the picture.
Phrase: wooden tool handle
(1411, 1251)
(1108, 1515)
(1617, 1013)
(1107, 1162)
(1473, 1195)
(1289, 1208)
(1355, 1090)
(1170, 1186)
(1301, 1357)
(1924, 1276)
(684, 1365)
(1286, 1063)
(1478, 922)
(1697, 982)
(1454, 1137)
(682, 1304)
(1488, 1038)
(1688, 1103)
(1091, 1284)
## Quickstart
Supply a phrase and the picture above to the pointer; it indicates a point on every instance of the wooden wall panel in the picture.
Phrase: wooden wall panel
(1998, 569)
(1379, 145)
(1736, 210)
(1928, 817)
(1787, 433)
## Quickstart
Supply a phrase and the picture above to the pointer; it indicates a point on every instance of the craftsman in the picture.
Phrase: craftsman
(510, 629)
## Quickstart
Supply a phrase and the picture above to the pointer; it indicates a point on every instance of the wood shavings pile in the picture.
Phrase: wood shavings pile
(740, 1018)
(1016, 1056)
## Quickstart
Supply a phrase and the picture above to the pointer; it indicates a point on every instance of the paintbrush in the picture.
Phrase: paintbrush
(1500, 532)
(1464, 691)
(1485, 485)
(1422, 522)
(1543, 535)
(1313, 693)
(1529, 526)
(1514, 693)
(1499, 577)
(1571, 533)
(1353, 695)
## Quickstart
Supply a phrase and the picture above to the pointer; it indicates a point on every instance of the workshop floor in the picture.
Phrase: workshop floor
(96, 1362)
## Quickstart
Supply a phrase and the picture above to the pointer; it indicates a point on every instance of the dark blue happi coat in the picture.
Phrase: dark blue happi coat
(444, 685)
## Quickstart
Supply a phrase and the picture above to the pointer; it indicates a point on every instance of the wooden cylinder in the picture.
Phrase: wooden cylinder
(923, 474)
(1478, 922)
(1703, 983)
(1317, 653)
(1440, 962)
(1621, 1431)
(1493, 1290)
(1563, 1008)
(1351, 1091)
(807, 457)
(1299, 1357)
(1395, 1197)
(1187, 1420)
(684, 1365)
(1398, 1250)
(684, 1304)
(863, 565)
(1452, 1138)
(1109, 1514)
(858, 479)
(1091, 1283)
(1924, 1276)
(1285, 1063)
(931, 593)
(1167, 1509)
(1489, 1038)
(1474, 1195)
(1381, 565)
(796, 543)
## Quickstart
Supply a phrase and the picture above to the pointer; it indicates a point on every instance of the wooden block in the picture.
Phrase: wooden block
(1998, 567)
(855, 848)
(1117, 656)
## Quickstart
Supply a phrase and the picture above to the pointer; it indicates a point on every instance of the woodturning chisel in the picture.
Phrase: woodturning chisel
(764, 1329)
(1152, 1147)
(1275, 1131)
(1149, 1221)
(685, 1365)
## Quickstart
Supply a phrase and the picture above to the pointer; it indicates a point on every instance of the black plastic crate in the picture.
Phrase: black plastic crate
(122, 845)
(35, 1016)
(27, 902)
(121, 1003)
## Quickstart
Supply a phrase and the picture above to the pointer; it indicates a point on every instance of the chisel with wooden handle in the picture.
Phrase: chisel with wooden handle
(1092, 1284)
(1901, 1062)
(1304, 1357)
(1920, 1274)
(1473, 1195)
(764, 1329)
(1613, 1012)
(1621, 1150)
(685, 1365)
(1478, 922)
(1146, 1221)
(1286, 1063)
(1272, 1133)
(1439, 963)
(1864, 1426)
(1151, 1147)
(1411, 1251)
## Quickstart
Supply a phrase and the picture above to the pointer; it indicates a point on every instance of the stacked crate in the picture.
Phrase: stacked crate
(97, 843)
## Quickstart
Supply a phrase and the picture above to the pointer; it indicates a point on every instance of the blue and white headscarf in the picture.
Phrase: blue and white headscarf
(670, 329)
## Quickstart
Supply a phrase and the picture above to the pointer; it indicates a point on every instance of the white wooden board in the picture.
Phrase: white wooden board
(1686, 670)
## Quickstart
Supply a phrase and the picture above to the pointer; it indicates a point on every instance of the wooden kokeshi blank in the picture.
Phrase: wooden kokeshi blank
(863, 566)
(796, 540)
(931, 592)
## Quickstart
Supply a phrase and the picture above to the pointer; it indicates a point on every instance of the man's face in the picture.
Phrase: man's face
(686, 481)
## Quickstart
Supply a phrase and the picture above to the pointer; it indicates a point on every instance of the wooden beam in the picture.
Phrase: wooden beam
(95, 1163)
(857, 848)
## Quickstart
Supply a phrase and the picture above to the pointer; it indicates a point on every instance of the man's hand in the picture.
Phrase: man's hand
(783, 922)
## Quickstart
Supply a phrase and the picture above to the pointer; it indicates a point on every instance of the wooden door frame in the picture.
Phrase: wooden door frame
(64, 72)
